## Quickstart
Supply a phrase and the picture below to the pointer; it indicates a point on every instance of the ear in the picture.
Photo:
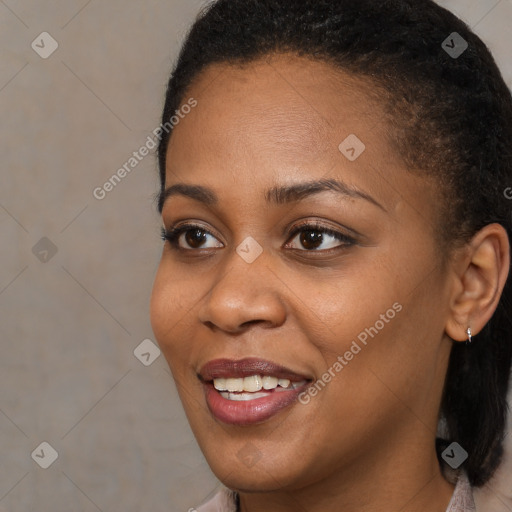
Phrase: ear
(480, 273)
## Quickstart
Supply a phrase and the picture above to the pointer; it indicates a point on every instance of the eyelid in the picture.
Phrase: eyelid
(191, 224)
(322, 225)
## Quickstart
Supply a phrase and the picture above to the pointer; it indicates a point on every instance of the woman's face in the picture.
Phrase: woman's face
(311, 257)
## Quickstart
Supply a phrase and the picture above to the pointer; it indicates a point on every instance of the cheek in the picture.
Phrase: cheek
(171, 306)
(341, 305)
(159, 305)
(359, 316)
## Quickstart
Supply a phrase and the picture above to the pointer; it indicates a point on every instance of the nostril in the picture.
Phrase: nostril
(252, 322)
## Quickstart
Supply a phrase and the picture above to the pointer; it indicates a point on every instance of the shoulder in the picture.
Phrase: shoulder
(462, 498)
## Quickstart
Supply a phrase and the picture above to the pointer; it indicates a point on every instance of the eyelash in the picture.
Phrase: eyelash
(172, 236)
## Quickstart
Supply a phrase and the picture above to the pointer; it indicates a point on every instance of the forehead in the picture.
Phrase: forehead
(280, 119)
(292, 105)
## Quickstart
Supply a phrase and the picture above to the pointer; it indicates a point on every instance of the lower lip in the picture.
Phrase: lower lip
(251, 411)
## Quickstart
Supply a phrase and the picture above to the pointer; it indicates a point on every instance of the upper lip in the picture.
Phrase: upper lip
(226, 368)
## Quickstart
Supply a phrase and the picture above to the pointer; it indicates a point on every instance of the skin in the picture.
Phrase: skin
(366, 441)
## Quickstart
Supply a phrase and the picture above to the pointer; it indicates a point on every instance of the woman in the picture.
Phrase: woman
(333, 297)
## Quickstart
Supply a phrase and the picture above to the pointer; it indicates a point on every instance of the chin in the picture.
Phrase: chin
(248, 471)
(254, 481)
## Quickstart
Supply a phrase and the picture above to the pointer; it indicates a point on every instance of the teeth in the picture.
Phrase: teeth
(239, 397)
(270, 382)
(253, 384)
(220, 384)
(234, 384)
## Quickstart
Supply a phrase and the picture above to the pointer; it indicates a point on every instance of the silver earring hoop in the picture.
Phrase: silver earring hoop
(468, 331)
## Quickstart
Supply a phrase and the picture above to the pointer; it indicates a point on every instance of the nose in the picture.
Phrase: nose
(244, 294)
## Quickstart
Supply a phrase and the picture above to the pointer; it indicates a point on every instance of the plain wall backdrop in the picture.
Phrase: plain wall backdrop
(76, 272)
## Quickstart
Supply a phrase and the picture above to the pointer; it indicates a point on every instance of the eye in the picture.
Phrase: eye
(317, 238)
(189, 237)
(312, 237)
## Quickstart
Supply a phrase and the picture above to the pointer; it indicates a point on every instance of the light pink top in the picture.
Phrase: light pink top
(462, 499)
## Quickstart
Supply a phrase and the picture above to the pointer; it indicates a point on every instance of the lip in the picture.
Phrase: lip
(224, 368)
(245, 413)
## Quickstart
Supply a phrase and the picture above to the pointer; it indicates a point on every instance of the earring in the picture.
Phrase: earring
(468, 331)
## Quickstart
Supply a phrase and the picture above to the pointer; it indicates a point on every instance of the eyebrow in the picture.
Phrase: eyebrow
(275, 195)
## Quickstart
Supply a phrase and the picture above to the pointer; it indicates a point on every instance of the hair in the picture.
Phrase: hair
(450, 119)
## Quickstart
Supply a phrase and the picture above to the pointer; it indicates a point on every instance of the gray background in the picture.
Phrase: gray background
(69, 325)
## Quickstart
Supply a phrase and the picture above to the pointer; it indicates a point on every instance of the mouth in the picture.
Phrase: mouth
(249, 391)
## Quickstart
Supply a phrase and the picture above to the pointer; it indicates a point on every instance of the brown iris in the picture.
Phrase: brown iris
(195, 238)
(311, 239)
